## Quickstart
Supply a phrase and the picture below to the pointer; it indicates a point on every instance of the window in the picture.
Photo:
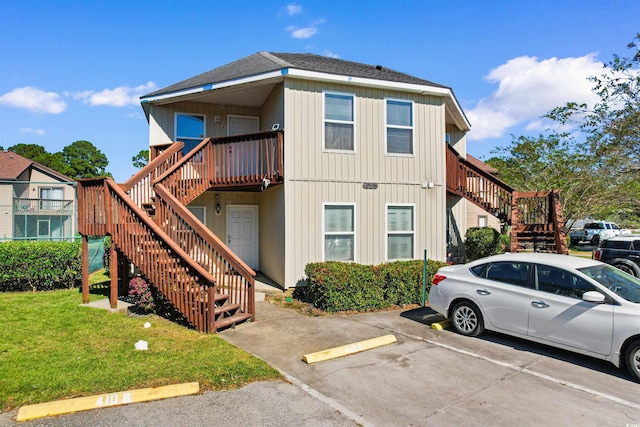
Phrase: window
(339, 232)
(199, 212)
(339, 122)
(399, 127)
(241, 125)
(190, 130)
(560, 282)
(513, 273)
(51, 198)
(400, 232)
(482, 221)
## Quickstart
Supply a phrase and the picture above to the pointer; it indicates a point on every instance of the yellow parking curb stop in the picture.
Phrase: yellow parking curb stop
(66, 406)
(348, 349)
(441, 325)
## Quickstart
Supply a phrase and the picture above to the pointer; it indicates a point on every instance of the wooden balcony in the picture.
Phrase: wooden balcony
(250, 162)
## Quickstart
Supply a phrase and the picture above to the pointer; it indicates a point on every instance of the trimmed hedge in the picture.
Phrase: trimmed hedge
(338, 286)
(482, 242)
(39, 266)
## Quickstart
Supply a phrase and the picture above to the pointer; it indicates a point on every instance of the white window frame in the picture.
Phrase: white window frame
(324, 234)
(387, 126)
(51, 203)
(387, 232)
(175, 126)
(324, 121)
(232, 116)
(481, 218)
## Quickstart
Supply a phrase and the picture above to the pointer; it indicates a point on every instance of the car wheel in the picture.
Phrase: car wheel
(595, 240)
(632, 359)
(628, 269)
(467, 319)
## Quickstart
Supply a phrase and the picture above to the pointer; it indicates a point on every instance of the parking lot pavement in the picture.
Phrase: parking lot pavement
(438, 377)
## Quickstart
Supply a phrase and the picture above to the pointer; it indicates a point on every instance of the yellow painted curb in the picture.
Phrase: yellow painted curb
(348, 349)
(59, 407)
(441, 325)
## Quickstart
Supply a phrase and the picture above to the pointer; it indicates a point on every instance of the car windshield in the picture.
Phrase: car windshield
(623, 284)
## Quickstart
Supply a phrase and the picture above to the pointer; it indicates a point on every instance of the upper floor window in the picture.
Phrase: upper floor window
(400, 232)
(51, 198)
(399, 127)
(189, 130)
(339, 132)
(339, 232)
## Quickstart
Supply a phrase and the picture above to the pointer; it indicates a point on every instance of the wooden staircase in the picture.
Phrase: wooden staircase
(535, 217)
(151, 227)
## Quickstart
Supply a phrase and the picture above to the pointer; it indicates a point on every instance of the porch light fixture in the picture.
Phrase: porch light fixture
(218, 207)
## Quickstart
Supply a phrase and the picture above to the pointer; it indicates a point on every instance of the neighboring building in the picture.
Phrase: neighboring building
(365, 155)
(36, 202)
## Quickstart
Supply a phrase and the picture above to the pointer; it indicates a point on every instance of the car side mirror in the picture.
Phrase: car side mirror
(593, 296)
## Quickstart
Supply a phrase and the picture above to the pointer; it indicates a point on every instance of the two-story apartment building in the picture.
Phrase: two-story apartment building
(364, 159)
(36, 202)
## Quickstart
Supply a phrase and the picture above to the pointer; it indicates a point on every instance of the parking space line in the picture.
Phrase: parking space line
(523, 370)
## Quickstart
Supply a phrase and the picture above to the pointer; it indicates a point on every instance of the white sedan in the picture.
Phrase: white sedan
(573, 303)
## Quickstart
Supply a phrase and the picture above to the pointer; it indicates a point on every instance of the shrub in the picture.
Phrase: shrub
(336, 286)
(142, 296)
(39, 266)
(482, 242)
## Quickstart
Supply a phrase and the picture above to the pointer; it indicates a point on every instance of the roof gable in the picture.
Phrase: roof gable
(13, 165)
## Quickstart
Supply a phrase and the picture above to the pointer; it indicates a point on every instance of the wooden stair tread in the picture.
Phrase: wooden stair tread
(232, 320)
(225, 308)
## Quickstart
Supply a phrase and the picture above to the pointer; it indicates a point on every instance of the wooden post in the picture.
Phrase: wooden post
(211, 310)
(85, 269)
(514, 222)
(113, 290)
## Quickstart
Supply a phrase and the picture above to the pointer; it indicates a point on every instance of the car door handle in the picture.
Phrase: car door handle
(539, 304)
(483, 292)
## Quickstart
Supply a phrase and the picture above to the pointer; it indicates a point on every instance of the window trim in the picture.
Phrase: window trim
(325, 120)
(387, 232)
(324, 233)
(387, 126)
(175, 125)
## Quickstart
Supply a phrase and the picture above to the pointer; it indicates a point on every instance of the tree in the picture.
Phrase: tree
(39, 154)
(141, 159)
(84, 160)
(599, 174)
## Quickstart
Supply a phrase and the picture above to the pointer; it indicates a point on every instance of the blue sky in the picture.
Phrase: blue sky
(72, 70)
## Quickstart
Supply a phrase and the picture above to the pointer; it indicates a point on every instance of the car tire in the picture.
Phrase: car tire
(595, 240)
(467, 319)
(630, 269)
(632, 359)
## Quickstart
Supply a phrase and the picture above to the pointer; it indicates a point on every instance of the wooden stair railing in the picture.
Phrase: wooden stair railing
(536, 222)
(481, 188)
(139, 185)
(535, 217)
(105, 209)
(228, 162)
(232, 276)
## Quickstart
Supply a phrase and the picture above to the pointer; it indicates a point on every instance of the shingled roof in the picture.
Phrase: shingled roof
(264, 62)
(13, 165)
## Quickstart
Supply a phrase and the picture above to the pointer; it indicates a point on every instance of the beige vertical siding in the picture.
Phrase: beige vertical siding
(473, 214)
(6, 211)
(270, 224)
(314, 177)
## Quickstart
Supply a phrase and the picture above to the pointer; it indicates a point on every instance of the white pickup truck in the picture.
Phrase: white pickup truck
(594, 232)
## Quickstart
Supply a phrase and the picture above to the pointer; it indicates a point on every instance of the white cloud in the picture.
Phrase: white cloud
(302, 33)
(118, 97)
(39, 132)
(294, 9)
(34, 99)
(330, 54)
(527, 89)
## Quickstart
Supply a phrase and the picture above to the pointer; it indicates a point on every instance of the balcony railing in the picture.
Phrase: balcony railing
(45, 206)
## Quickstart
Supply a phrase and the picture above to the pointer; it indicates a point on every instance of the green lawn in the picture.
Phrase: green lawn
(51, 348)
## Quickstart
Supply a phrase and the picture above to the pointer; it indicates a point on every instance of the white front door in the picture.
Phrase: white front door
(242, 233)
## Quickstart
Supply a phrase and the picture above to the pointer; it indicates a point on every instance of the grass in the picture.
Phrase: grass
(51, 347)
